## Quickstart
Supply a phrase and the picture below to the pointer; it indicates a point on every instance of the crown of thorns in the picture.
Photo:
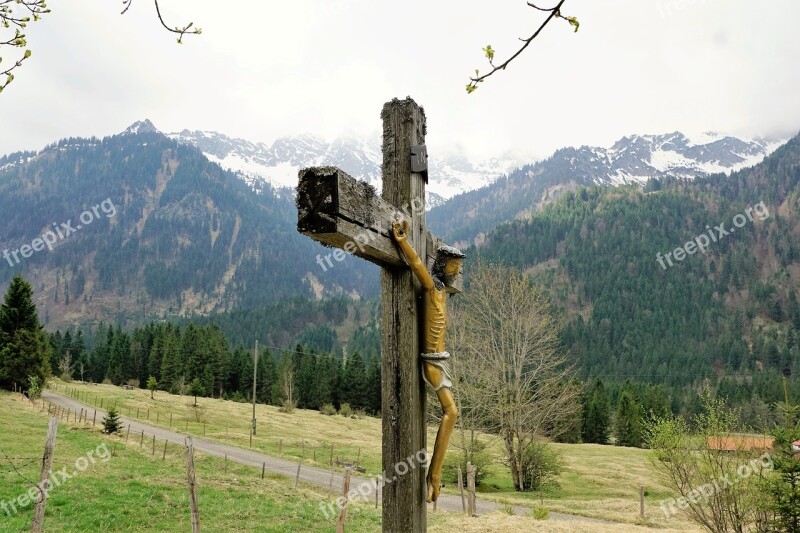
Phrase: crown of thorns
(449, 251)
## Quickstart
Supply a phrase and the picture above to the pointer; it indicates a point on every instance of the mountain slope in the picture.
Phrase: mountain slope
(278, 164)
(467, 217)
(732, 310)
(178, 235)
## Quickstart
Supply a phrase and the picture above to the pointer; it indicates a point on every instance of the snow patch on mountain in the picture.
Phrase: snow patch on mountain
(278, 164)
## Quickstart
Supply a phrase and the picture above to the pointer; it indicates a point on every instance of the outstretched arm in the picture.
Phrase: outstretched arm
(400, 233)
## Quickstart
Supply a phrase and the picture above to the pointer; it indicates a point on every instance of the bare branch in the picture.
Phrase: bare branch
(554, 12)
(16, 14)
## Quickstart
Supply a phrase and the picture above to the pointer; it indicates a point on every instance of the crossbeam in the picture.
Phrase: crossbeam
(339, 211)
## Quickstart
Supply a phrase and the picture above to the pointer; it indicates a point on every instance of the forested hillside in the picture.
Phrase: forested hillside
(731, 313)
(176, 235)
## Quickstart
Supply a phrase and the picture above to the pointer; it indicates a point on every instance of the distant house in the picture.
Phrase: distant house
(744, 443)
(796, 446)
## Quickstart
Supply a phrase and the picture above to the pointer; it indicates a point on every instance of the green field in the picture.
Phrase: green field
(600, 482)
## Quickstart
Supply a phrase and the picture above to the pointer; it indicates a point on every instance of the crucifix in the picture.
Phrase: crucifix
(417, 272)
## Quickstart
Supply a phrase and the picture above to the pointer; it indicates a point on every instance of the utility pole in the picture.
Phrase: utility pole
(255, 377)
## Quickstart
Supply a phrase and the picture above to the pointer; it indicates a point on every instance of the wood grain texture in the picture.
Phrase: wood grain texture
(403, 394)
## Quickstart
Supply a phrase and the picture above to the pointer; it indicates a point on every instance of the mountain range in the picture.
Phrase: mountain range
(277, 164)
(468, 217)
(204, 223)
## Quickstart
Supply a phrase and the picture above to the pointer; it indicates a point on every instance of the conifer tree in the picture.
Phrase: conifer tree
(111, 422)
(24, 346)
(597, 415)
(629, 424)
(354, 384)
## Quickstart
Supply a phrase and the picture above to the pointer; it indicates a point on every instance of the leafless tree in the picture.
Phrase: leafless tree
(65, 366)
(513, 376)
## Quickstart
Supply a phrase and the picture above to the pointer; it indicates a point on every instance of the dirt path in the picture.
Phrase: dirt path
(309, 474)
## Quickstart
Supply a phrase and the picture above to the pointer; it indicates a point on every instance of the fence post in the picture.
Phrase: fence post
(47, 464)
(164, 457)
(641, 501)
(461, 488)
(297, 479)
(470, 490)
(345, 492)
(127, 434)
(193, 505)
(154, 445)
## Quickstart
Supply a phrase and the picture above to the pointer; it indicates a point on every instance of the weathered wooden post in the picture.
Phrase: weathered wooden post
(341, 212)
(461, 489)
(47, 465)
(345, 495)
(190, 472)
(470, 490)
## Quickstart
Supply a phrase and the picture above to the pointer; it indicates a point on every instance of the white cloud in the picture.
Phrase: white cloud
(266, 69)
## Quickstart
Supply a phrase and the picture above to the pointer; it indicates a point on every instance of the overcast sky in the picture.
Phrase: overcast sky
(267, 69)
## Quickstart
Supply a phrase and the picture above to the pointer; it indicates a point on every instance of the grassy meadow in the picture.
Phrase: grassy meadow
(597, 482)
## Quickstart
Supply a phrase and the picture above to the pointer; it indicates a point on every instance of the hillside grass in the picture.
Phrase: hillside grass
(600, 482)
(136, 491)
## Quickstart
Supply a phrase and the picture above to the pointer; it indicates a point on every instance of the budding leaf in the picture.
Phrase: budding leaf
(489, 52)
(574, 22)
(471, 88)
(27, 54)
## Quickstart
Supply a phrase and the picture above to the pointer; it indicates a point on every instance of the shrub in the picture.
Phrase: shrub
(34, 387)
(107, 382)
(133, 383)
(540, 513)
(345, 410)
(287, 406)
(237, 397)
(359, 414)
(200, 412)
(112, 423)
(328, 409)
(540, 464)
(479, 458)
(508, 509)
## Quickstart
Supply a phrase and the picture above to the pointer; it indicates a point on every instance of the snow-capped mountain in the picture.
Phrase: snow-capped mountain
(633, 159)
(278, 164)
(637, 158)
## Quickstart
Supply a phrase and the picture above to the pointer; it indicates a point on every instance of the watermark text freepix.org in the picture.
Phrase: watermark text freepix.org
(59, 232)
(715, 486)
(55, 479)
(667, 8)
(361, 240)
(703, 241)
(367, 488)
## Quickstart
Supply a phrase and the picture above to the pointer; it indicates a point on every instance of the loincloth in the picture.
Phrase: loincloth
(439, 360)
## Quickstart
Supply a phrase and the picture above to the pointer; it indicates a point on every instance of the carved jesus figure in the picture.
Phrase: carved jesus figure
(435, 369)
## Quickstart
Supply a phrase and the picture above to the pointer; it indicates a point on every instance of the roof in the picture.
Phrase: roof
(734, 443)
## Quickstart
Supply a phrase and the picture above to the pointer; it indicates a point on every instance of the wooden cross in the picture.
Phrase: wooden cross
(342, 212)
